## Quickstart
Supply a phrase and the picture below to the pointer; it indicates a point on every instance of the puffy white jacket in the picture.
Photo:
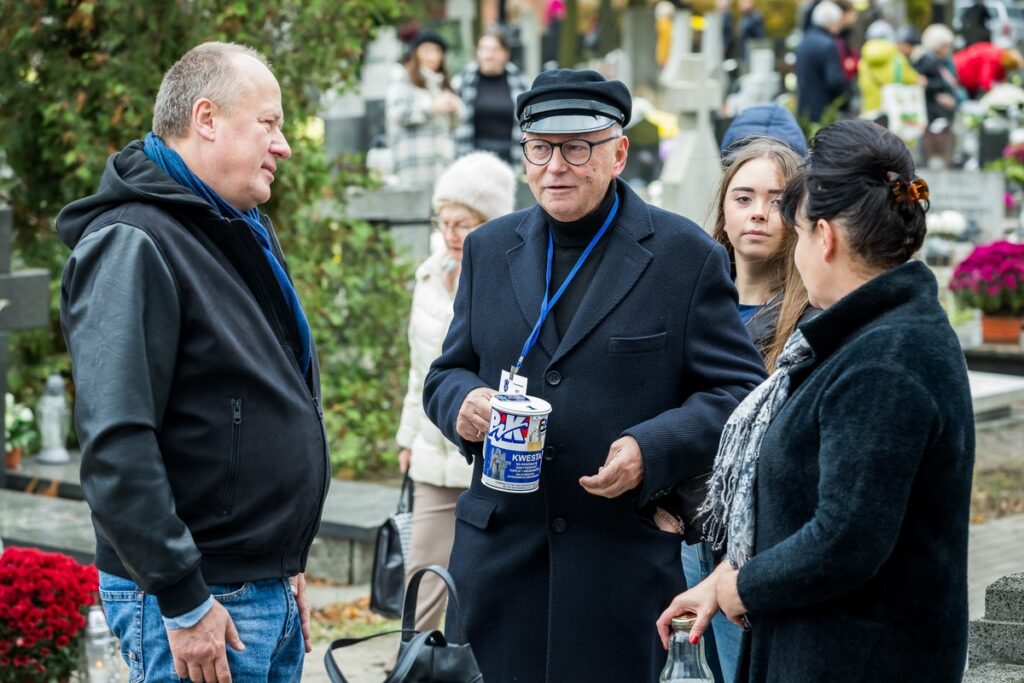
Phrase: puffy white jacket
(435, 460)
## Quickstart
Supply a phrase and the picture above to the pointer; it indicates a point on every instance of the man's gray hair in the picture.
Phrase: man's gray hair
(207, 70)
(826, 14)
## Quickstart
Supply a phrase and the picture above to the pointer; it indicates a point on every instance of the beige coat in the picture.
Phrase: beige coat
(435, 460)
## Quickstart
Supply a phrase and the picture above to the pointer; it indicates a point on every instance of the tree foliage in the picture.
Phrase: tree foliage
(79, 82)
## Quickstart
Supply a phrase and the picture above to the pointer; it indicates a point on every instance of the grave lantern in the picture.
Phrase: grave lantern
(53, 417)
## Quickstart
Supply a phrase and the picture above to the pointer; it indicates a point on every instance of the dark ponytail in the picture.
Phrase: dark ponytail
(863, 175)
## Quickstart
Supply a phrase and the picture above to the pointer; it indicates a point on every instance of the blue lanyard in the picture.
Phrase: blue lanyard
(548, 304)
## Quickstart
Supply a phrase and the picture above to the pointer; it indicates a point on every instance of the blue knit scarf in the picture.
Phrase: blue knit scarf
(174, 166)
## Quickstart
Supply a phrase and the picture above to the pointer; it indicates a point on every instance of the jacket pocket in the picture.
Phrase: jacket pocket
(650, 342)
(236, 437)
(474, 510)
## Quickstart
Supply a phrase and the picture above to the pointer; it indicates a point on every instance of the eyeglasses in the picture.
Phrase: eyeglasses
(575, 152)
(458, 228)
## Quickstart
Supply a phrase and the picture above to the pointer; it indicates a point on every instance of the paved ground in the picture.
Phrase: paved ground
(996, 549)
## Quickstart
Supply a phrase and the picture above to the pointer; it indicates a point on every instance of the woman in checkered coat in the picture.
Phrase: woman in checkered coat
(488, 89)
(422, 112)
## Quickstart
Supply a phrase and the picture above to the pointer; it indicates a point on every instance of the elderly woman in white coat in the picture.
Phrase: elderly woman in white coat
(474, 189)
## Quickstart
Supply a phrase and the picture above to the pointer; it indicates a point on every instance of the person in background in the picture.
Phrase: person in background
(488, 89)
(476, 188)
(664, 13)
(942, 93)
(422, 112)
(908, 40)
(770, 120)
(848, 54)
(772, 299)
(982, 65)
(881, 63)
(724, 8)
(844, 522)
(751, 26)
(749, 224)
(819, 69)
(974, 24)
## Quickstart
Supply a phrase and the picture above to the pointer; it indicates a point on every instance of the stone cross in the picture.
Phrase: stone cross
(692, 170)
(24, 303)
(682, 42)
(759, 85)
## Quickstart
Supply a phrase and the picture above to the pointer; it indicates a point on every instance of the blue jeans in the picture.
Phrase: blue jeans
(264, 613)
(725, 645)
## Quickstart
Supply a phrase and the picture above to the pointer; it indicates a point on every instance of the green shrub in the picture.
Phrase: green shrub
(79, 81)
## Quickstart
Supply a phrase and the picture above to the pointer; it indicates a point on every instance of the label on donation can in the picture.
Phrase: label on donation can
(515, 443)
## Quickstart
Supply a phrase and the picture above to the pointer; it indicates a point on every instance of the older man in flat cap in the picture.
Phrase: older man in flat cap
(623, 317)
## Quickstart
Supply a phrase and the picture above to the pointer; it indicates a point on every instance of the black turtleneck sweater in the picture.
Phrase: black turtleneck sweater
(571, 239)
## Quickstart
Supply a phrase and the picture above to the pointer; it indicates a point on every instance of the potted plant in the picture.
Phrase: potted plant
(43, 602)
(991, 279)
(19, 430)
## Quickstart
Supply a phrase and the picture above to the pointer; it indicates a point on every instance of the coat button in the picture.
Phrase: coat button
(550, 453)
(554, 378)
(559, 525)
(131, 656)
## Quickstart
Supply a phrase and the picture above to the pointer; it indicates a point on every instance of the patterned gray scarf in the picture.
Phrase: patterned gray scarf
(729, 506)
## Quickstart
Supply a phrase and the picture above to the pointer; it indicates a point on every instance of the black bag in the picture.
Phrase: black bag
(424, 657)
(394, 538)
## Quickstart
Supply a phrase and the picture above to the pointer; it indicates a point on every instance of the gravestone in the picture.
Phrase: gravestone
(692, 170)
(530, 35)
(759, 85)
(978, 195)
(996, 649)
(345, 124)
(638, 27)
(680, 46)
(406, 213)
(24, 303)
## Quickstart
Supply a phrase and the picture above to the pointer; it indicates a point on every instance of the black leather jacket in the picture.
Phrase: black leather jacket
(204, 457)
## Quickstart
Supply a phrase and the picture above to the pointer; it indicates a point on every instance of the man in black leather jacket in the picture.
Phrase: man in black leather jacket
(204, 457)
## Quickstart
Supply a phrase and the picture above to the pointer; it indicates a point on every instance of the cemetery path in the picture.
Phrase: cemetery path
(996, 549)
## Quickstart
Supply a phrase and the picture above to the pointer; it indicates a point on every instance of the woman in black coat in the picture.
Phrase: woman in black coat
(842, 484)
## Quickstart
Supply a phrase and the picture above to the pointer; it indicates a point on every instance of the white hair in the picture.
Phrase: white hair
(207, 70)
(826, 14)
(880, 29)
(936, 37)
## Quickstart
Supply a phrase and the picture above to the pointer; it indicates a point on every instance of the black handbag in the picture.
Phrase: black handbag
(394, 538)
(426, 656)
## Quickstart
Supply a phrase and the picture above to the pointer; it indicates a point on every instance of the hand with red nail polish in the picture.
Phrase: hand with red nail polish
(701, 600)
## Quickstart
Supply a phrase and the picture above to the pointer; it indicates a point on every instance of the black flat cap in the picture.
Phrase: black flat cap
(568, 101)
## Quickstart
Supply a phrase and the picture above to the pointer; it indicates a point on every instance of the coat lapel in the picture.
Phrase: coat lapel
(624, 262)
(527, 263)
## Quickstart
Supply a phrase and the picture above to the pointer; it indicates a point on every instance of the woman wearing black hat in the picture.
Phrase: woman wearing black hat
(842, 484)
(422, 112)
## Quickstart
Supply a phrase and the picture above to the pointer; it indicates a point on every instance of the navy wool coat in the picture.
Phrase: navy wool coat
(819, 73)
(560, 585)
(863, 498)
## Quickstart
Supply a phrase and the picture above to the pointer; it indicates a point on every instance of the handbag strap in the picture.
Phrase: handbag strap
(333, 671)
(405, 497)
(409, 611)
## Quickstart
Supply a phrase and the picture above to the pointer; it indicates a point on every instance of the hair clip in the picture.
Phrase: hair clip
(913, 191)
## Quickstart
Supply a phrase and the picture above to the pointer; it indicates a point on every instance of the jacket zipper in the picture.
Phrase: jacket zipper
(236, 437)
(283, 336)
